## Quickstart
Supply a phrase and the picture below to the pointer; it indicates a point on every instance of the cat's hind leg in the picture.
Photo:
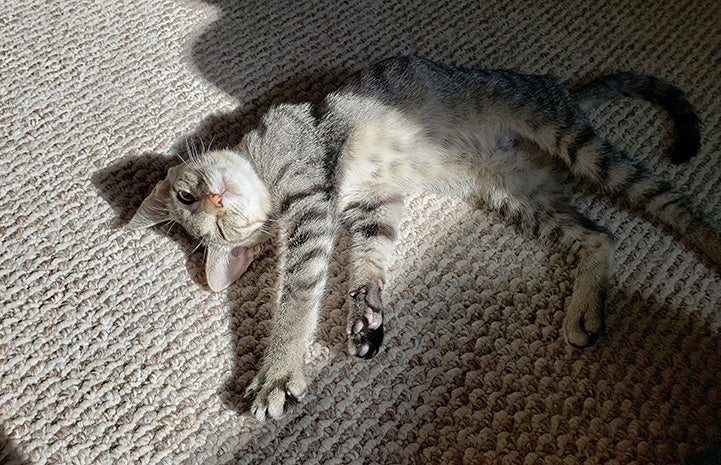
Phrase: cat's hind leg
(372, 222)
(542, 211)
(611, 170)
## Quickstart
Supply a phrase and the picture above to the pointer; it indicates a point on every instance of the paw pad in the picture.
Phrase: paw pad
(365, 331)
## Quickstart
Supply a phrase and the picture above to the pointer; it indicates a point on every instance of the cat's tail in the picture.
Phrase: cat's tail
(654, 90)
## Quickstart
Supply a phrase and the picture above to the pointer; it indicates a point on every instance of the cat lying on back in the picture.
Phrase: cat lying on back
(406, 125)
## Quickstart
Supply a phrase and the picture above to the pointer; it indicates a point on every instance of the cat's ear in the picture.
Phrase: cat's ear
(154, 208)
(225, 265)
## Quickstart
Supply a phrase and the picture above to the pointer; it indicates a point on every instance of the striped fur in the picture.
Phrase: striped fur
(404, 126)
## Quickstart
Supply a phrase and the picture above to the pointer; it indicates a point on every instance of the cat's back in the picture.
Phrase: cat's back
(407, 82)
(404, 82)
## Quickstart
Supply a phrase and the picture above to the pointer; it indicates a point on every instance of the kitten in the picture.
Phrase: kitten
(494, 138)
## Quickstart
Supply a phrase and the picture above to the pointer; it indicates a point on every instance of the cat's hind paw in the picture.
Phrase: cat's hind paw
(275, 391)
(584, 322)
(365, 328)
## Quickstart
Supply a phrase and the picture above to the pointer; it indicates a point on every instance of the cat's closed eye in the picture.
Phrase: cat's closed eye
(186, 197)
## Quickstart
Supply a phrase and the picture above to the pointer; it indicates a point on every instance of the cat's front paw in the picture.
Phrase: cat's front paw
(275, 390)
(365, 328)
(584, 322)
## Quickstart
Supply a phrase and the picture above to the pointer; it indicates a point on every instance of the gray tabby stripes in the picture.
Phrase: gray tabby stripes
(290, 199)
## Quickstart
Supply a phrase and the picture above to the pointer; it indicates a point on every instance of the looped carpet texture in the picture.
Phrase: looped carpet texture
(113, 350)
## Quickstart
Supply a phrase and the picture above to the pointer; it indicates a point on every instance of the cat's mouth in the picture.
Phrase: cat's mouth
(221, 231)
(245, 235)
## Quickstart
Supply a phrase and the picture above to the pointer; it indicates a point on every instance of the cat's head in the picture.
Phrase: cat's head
(218, 198)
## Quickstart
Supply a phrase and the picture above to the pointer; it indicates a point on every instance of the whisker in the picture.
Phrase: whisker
(202, 173)
(157, 209)
(195, 154)
(182, 159)
(200, 243)
(189, 150)
(172, 223)
(243, 216)
(266, 230)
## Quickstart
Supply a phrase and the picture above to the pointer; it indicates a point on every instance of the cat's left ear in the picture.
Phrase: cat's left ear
(154, 208)
(225, 265)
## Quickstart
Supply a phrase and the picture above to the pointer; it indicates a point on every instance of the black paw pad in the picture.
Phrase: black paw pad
(365, 332)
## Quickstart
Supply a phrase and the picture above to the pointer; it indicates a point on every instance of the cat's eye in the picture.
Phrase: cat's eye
(186, 197)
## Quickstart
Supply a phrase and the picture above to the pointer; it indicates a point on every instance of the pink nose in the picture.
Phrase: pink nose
(216, 199)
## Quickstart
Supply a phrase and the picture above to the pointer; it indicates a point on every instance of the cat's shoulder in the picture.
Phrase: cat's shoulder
(287, 122)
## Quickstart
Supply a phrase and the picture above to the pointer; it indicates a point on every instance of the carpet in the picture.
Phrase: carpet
(113, 350)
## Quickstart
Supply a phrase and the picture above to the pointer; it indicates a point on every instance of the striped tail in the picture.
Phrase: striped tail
(653, 90)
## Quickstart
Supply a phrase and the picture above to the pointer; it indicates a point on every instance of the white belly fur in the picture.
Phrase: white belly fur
(388, 154)
(391, 154)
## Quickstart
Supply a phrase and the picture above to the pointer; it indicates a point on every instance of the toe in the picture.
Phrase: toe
(276, 402)
(358, 326)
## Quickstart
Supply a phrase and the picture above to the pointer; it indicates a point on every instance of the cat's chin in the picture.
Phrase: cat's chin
(225, 264)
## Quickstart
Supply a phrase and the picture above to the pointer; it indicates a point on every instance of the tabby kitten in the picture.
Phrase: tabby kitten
(494, 138)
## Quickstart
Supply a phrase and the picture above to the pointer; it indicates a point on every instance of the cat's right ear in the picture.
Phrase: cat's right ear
(154, 208)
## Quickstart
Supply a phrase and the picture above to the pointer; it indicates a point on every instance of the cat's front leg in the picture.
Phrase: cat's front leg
(373, 223)
(306, 241)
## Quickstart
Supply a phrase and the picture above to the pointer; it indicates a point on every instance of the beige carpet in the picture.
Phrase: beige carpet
(113, 350)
